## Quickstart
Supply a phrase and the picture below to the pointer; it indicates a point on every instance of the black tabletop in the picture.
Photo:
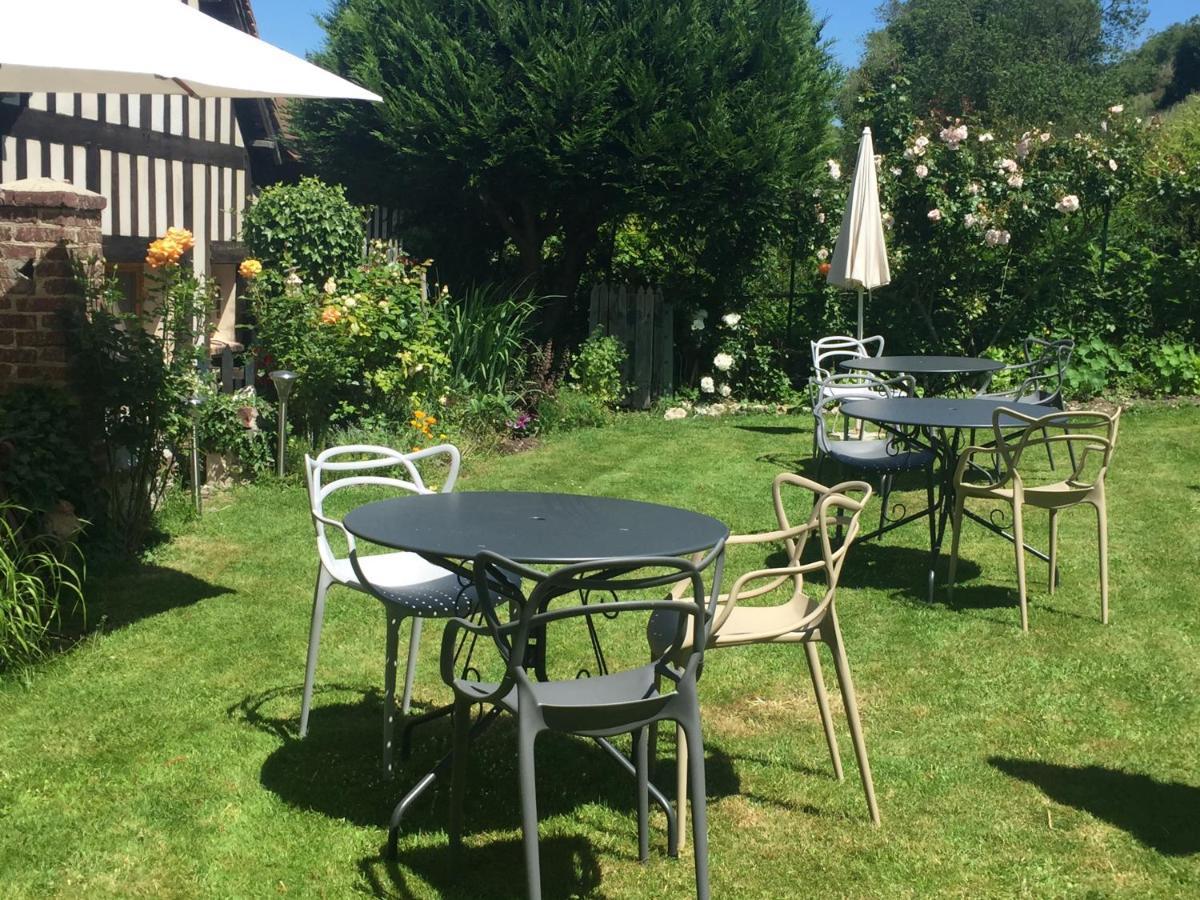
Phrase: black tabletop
(938, 412)
(923, 365)
(533, 527)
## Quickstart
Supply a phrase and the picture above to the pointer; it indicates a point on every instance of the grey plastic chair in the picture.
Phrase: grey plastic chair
(745, 616)
(864, 455)
(407, 585)
(609, 703)
(1039, 379)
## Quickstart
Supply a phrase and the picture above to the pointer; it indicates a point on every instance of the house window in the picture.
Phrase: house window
(131, 278)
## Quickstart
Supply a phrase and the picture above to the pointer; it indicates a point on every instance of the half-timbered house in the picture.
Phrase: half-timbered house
(160, 161)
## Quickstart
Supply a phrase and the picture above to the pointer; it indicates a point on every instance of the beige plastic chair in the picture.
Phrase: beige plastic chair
(1089, 438)
(799, 619)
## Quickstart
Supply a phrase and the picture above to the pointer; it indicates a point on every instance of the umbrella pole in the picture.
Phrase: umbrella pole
(860, 313)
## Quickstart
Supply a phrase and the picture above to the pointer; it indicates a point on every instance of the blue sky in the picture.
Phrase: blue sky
(290, 24)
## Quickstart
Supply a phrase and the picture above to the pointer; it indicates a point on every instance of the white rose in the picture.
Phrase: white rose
(723, 362)
(835, 171)
(1112, 164)
(823, 254)
(1067, 204)
(986, 137)
(330, 286)
(934, 215)
(1117, 110)
(706, 384)
(731, 319)
(1016, 180)
(726, 390)
(922, 170)
(351, 303)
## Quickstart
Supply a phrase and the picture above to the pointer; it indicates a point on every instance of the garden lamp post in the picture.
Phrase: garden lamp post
(283, 380)
(195, 405)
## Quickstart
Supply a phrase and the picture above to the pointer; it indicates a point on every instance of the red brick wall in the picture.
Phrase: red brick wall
(48, 223)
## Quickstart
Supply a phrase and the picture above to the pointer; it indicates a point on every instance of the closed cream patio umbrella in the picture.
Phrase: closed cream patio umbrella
(860, 256)
(148, 47)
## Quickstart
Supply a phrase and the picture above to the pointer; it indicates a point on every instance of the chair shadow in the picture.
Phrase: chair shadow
(1164, 816)
(127, 594)
(773, 429)
(569, 868)
(336, 770)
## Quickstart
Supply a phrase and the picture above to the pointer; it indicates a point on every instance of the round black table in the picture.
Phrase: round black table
(923, 365)
(532, 527)
(938, 424)
(450, 529)
(940, 413)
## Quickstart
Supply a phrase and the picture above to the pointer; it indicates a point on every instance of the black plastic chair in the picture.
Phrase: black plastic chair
(607, 704)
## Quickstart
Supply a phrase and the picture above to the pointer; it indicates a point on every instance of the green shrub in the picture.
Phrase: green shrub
(1094, 366)
(310, 226)
(41, 457)
(230, 424)
(596, 369)
(366, 343)
(132, 376)
(1176, 369)
(35, 586)
(570, 409)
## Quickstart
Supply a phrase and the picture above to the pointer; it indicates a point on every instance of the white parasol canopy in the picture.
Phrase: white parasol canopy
(860, 256)
(148, 47)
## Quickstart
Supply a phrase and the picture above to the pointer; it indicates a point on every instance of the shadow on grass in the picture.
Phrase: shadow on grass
(773, 429)
(1161, 815)
(494, 869)
(336, 770)
(126, 594)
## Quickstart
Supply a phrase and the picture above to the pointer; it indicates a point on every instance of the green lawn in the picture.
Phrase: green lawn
(160, 756)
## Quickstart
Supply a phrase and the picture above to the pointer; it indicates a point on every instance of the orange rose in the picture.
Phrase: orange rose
(330, 315)
(823, 268)
(250, 269)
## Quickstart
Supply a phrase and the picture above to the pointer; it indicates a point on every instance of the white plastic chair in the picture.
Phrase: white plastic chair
(413, 586)
(827, 352)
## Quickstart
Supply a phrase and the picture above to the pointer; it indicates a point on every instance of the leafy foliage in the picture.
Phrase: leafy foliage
(596, 369)
(35, 586)
(309, 226)
(1039, 60)
(132, 376)
(41, 460)
(228, 423)
(526, 133)
(488, 334)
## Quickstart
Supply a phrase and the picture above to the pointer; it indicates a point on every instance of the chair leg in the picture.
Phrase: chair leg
(642, 757)
(960, 502)
(1019, 544)
(699, 811)
(681, 784)
(314, 642)
(1053, 554)
(526, 741)
(414, 647)
(885, 491)
(1102, 526)
(389, 687)
(458, 768)
(850, 702)
(814, 669)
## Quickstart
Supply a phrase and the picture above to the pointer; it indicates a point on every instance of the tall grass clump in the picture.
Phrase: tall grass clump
(489, 333)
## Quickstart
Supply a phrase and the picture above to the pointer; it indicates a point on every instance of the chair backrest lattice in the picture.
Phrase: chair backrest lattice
(827, 398)
(827, 352)
(600, 588)
(1088, 437)
(348, 461)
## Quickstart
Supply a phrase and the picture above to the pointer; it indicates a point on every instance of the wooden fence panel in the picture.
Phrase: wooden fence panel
(644, 324)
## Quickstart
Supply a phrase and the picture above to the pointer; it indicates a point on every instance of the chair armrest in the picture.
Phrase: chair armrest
(966, 458)
(448, 450)
(738, 592)
(448, 654)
